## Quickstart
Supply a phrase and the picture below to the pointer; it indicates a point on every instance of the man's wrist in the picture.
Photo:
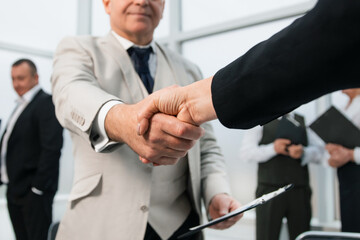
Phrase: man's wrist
(112, 123)
(351, 155)
(98, 136)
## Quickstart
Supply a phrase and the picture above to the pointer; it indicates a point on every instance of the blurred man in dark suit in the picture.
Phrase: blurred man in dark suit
(30, 151)
(347, 162)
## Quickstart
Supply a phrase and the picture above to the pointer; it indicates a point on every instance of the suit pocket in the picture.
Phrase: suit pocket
(84, 187)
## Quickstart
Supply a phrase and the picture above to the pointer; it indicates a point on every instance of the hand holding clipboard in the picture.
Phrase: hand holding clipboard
(259, 201)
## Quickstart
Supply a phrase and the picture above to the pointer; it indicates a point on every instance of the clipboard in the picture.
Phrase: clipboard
(259, 201)
(291, 129)
(333, 127)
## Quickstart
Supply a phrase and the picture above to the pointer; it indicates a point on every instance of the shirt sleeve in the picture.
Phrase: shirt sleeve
(315, 152)
(251, 151)
(98, 137)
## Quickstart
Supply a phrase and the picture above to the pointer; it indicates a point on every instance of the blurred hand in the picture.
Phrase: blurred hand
(339, 155)
(166, 141)
(295, 151)
(191, 104)
(220, 205)
(281, 145)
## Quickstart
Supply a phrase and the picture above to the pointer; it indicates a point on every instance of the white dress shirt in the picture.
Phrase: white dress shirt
(251, 151)
(21, 104)
(102, 141)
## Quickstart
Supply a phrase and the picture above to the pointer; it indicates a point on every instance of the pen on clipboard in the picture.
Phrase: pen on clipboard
(259, 201)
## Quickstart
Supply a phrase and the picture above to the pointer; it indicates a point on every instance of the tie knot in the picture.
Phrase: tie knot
(142, 54)
(140, 58)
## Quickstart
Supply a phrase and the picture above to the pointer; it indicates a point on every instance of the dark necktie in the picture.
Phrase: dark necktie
(140, 58)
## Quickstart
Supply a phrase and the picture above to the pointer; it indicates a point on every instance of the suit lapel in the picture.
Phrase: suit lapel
(121, 57)
(24, 113)
(175, 73)
(165, 75)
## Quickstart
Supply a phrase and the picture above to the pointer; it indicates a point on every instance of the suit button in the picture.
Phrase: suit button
(144, 208)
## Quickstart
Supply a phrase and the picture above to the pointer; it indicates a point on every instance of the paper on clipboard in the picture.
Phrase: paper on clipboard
(259, 201)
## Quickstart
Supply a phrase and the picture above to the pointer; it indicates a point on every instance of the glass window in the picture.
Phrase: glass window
(228, 46)
(100, 20)
(38, 24)
(202, 13)
(163, 29)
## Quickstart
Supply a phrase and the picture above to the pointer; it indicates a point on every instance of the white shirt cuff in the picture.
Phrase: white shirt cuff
(37, 191)
(304, 158)
(357, 155)
(98, 137)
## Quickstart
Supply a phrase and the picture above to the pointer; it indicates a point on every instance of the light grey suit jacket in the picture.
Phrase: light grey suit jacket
(111, 191)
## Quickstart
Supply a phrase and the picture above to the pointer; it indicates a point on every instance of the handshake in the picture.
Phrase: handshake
(164, 126)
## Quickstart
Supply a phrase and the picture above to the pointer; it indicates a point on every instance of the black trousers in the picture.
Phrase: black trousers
(191, 221)
(31, 215)
(349, 186)
(295, 205)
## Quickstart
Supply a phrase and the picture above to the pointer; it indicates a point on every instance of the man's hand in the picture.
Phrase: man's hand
(281, 146)
(295, 151)
(191, 104)
(220, 205)
(339, 155)
(166, 140)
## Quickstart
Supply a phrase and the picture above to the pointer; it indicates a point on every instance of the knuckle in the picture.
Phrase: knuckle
(181, 130)
(152, 138)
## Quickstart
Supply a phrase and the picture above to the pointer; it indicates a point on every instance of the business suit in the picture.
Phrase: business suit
(349, 177)
(115, 187)
(317, 54)
(32, 160)
(275, 173)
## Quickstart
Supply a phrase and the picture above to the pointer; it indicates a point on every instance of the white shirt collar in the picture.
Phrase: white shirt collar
(128, 44)
(29, 95)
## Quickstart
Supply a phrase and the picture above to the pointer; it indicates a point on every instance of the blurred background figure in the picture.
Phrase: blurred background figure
(30, 151)
(282, 148)
(347, 162)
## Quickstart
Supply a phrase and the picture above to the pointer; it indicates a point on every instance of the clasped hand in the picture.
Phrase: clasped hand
(166, 141)
(339, 155)
(163, 138)
(283, 146)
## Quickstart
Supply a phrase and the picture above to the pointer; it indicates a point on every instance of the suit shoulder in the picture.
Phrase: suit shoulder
(76, 42)
(78, 39)
(43, 98)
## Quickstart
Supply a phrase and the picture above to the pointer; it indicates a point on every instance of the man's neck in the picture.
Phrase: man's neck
(142, 40)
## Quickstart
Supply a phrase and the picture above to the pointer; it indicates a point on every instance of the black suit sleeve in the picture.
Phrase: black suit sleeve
(51, 140)
(317, 54)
